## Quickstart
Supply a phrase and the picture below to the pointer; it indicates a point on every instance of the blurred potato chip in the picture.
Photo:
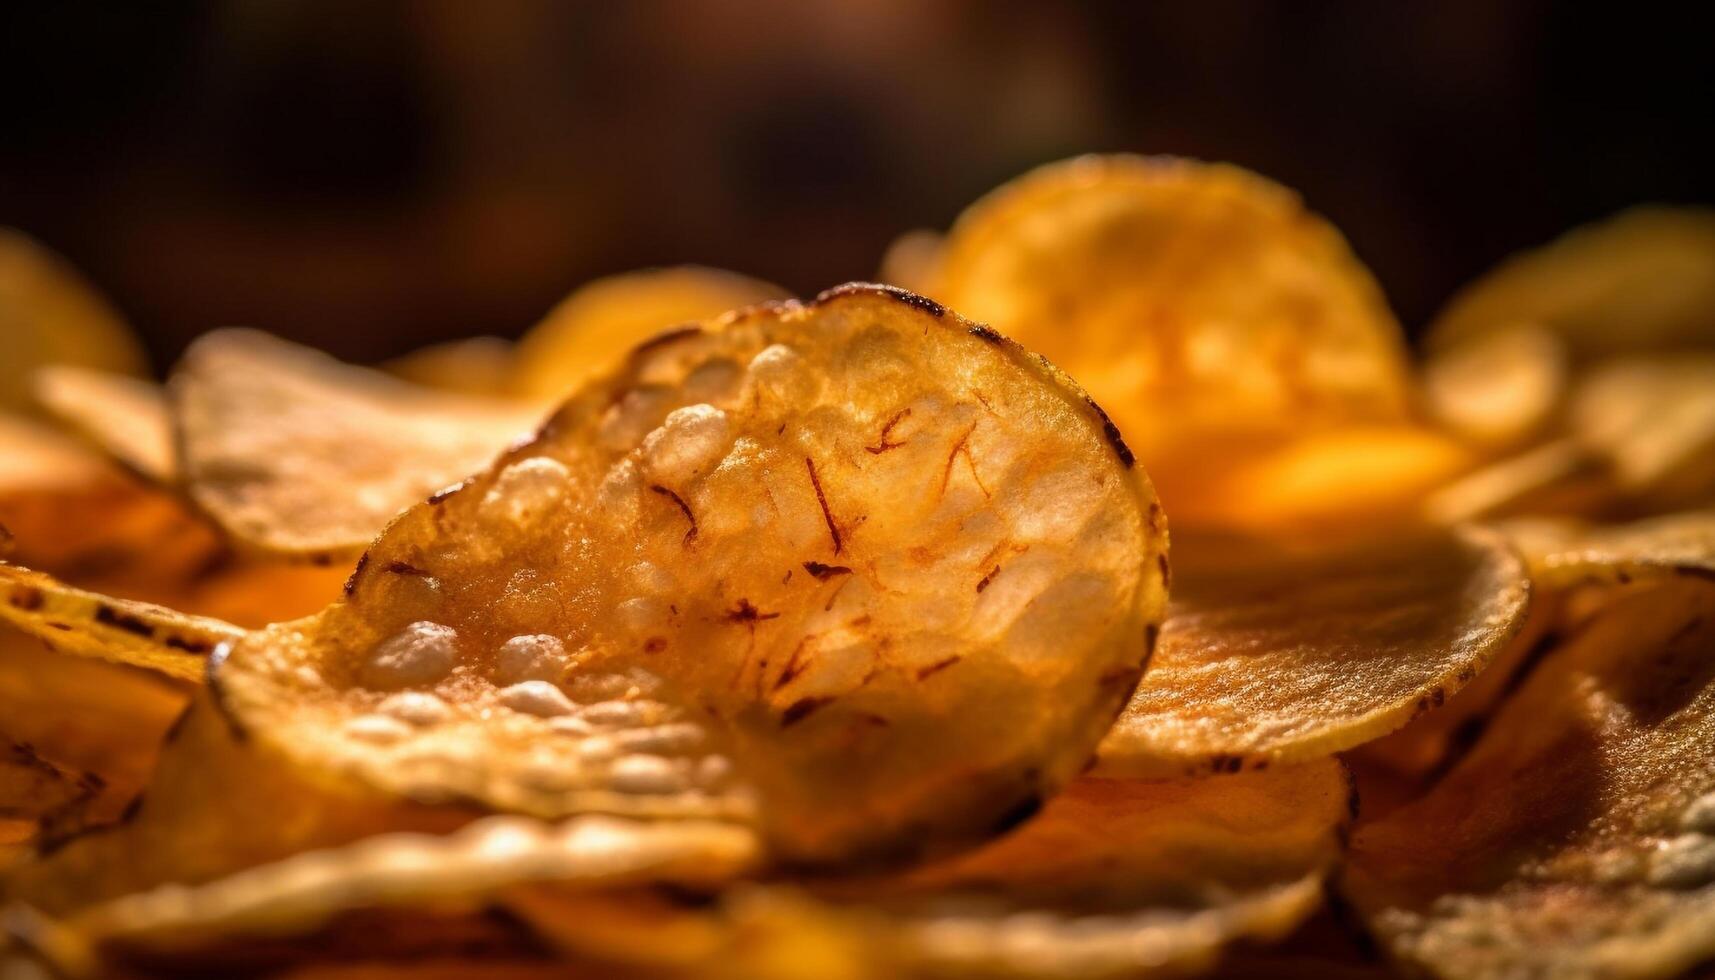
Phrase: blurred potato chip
(50, 315)
(125, 417)
(1643, 280)
(1653, 419)
(1112, 879)
(1274, 652)
(1577, 839)
(857, 572)
(591, 330)
(1500, 389)
(1164, 282)
(1557, 477)
(482, 366)
(31, 787)
(90, 625)
(297, 455)
(913, 261)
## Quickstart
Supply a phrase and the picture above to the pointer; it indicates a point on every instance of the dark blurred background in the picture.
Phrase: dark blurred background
(368, 177)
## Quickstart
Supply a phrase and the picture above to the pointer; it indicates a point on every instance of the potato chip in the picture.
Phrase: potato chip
(1113, 878)
(50, 315)
(913, 261)
(1501, 389)
(1642, 280)
(31, 787)
(124, 416)
(1274, 652)
(591, 330)
(858, 571)
(1564, 556)
(296, 454)
(483, 366)
(90, 625)
(1653, 419)
(1577, 839)
(1163, 282)
(1558, 477)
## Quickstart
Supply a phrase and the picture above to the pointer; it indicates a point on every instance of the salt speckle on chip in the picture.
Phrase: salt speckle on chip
(538, 698)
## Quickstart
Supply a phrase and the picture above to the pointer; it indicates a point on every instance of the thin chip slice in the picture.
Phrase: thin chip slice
(1501, 389)
(91, 625)
(1112, 879)
(483, 366)
(125, 416)
(1643, 280)
(1159, 281)
(50, 315)
(1274, 652)
(1560, 477)
(857, 571)
(913, 261)
(591, 330)
(1653, 419)
(1565, 556)
(298, 455)
(462, 869)
(1578, 837)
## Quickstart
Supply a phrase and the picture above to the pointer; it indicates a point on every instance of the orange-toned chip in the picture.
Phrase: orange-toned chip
(50, 315)
(1277, 652)
(482, 366)
(857, 573)
(591, 330)
(1642, 280)
(1112, 879)
(124, 416)
(1577, 839)
(913, 261)
(1500, 389)
(1163, 282)
(297, 455)
(1653, 420)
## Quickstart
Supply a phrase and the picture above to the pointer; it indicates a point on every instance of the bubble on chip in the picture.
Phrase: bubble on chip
(91, 625)
(591, 330)
(1160, 281)
(893, 637)
(482, 366)
(1653, 419)
(1112, 879)
(1563, 844)
(295, 454)
(123, 416)
(1643, 280)
(1276, 651)
(49, 314)
(1501, 389)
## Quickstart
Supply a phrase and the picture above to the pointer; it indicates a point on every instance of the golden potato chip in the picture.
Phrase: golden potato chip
(90, 625)
(484, 366)
(124, 416)
(1564, 556)
(1499, 389)
(913, 261)
(296, 454)
(857, 571)
(31, 787)
(1112, 878)
(591, 331)
(1577, 839)
(69, 510)
(1274, 652)
(1653, 419)
(461, 869)
(1642, 280)
(1558, 477)
(50, 315)
(1163, 282)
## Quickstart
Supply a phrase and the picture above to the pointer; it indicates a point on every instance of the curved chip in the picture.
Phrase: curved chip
(50, 315)
(913, 261)
(1577, 839)
(1274, 652)
(1500, 389)
(1653, 420)
(126, 417)
(1159, 281)
(298, 455)
(857, 571)
(1641, 280)
(1112, 879)
(90, 625)
(1557, 477)
(1564, 555)
(591, 330)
